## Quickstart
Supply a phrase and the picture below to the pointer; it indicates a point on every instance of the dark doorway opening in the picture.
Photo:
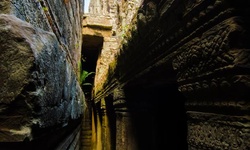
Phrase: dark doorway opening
(158, 116)
(91, 49)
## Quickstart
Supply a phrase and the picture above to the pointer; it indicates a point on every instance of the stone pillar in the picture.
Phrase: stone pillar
(95, 7)
(106, 141)
(105, 7)
(213, 73)
(124, 135)
(94, 129)
(98, 131)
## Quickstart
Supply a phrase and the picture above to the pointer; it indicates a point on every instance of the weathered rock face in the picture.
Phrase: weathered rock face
(5, 6)
(38, 87)
(61, 17)
(40, 97)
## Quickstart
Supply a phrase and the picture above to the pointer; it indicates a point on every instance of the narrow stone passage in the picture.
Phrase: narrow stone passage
(124, 75)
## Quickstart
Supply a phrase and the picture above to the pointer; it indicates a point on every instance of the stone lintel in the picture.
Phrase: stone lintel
(97, 26)
(97, 21)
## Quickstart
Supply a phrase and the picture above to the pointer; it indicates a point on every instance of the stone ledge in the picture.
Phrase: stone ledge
(100, 22)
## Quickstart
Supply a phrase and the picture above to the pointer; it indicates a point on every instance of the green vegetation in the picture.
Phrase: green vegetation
(45, 9)
(83, 77)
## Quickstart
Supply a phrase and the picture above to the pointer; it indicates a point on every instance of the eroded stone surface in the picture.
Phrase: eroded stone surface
(38, 85)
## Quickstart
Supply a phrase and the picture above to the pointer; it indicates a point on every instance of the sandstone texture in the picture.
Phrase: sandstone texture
(38, 86)
(40, 51)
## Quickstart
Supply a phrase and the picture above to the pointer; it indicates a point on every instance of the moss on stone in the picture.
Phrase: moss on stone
(5, 6)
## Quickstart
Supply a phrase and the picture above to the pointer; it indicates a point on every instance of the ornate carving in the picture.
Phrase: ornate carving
(205, 59)
(234, 86)
(149, 12)
(218, 132)
(119, 102)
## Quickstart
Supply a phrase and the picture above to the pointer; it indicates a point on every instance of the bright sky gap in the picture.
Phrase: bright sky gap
(86, 6)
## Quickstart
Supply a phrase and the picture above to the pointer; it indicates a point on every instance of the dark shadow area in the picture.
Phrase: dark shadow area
(159, 117)
(49, 138)
(111, 120)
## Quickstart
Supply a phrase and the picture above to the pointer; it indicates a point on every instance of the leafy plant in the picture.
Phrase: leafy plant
(45, 8)
(83, 77)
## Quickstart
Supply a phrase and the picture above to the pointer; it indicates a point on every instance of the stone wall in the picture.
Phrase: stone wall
(200, 46)
(40, 43)
(61, 17)
(120, 14)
